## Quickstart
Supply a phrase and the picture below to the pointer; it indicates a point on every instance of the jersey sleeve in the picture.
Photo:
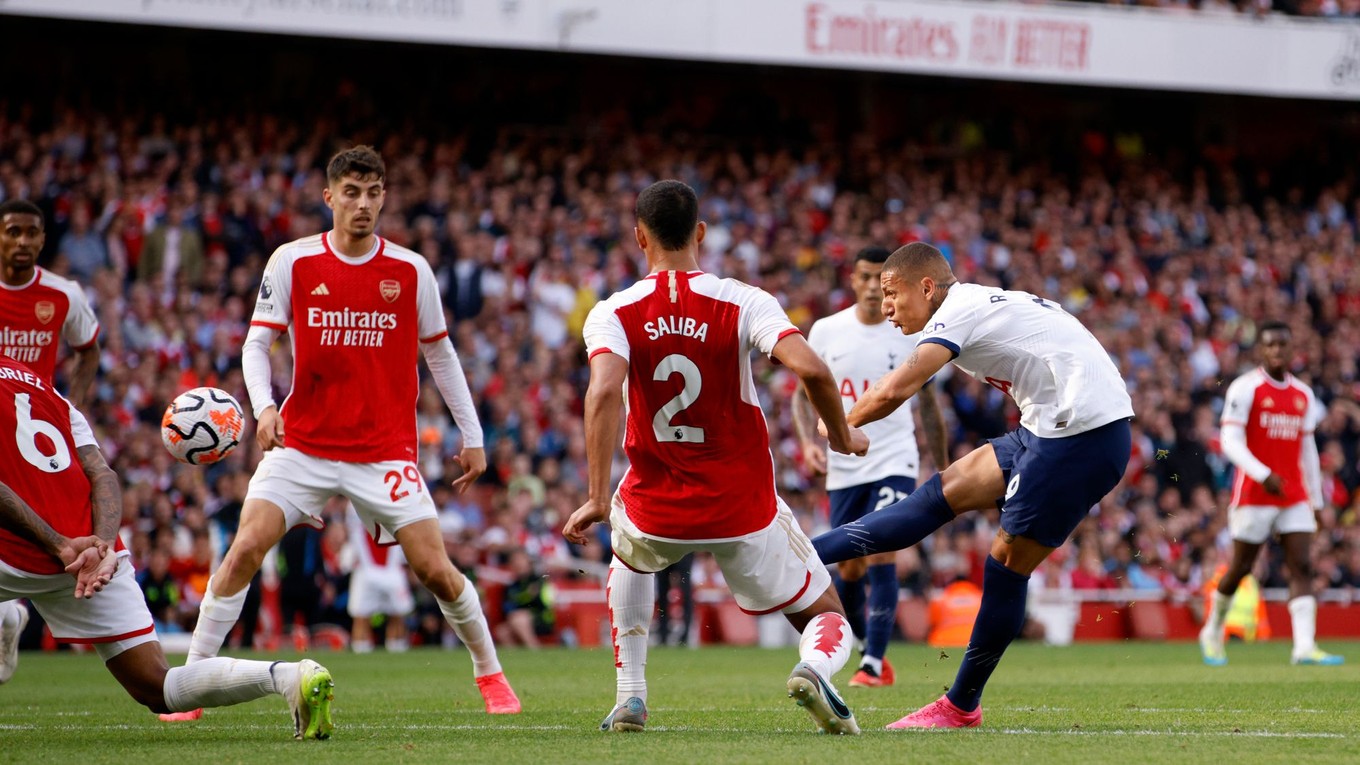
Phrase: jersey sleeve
(603, 331)
(952, 325)
(81, 432)
(1237, 402)
(429, 309)
(81, 327)
(1316, 411)
(273, 307)
(766, 322)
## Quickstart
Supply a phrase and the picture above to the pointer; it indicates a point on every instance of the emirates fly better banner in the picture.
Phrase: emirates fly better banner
(1079, 44)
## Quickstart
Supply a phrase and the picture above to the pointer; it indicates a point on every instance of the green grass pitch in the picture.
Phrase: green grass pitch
(1093, 703)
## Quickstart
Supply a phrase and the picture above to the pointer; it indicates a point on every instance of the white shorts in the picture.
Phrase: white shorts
(1253, 524)
(774, 569)
(386, 495)
(375, 590)
(113, 621)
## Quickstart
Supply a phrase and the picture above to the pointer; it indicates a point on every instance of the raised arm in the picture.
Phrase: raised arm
(604, 402)
(895, 388)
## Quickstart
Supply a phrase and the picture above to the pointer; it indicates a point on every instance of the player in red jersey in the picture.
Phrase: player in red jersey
(38, 308)
(1268, 421)
(701, 476)
(60, 506)
(358, 310)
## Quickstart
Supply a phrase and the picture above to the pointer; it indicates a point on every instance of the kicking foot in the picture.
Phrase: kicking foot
(311, 700)
(628, 717)
(500, 698)
(816, 695)
(940, 713)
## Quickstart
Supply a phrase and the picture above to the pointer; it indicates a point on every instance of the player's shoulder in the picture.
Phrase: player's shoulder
(1248, 381)
(633, 293)
(727, 289)
(395, 251)
(48, 280)
(298, 248)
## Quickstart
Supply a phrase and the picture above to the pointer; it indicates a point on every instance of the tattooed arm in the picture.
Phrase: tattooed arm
(83, 557)
(106, 493)
(932, 421)
(894, 388)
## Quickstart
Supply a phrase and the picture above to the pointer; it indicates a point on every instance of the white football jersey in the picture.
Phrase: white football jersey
(1040, 355)
(859, 354)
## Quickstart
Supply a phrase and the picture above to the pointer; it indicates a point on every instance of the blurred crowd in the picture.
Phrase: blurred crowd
(168, 226)
(1325, 9)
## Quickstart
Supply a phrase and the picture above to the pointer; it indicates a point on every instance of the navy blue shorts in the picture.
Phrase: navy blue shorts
(855, 502)
(1052, 483)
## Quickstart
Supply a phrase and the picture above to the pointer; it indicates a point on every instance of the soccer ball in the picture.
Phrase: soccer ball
(201, 426)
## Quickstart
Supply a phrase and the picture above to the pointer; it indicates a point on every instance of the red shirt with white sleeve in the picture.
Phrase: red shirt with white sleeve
(39, 434)
(356, 327)
(1276, 416)
(33, 317)
(696, 440)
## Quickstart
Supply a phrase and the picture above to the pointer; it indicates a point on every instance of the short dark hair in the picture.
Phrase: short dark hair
(1274, 325)
(873, 254)
(917, 258)
(22, 207)
(362, 161)
(670, 211)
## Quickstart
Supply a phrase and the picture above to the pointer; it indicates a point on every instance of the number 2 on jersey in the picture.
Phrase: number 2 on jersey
(661, 423)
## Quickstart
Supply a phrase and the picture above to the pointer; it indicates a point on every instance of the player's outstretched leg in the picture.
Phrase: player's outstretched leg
(13, 620)
(823, 650)
(632, 599)
(895, 527)
(216, 616)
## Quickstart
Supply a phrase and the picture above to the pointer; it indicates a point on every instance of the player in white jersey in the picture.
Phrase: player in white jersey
(1070, 450)
(860, 346)
(357, 310)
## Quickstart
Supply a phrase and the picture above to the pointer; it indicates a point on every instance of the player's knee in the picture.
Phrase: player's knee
(443, 581)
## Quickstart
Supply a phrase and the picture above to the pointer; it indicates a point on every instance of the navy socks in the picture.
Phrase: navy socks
(998, 623)
(882, 608)
(896, 526)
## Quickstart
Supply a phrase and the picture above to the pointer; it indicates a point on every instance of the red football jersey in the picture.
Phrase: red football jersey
(356, 325)
(39, 434)
(33, 317)
(1277, 416)
(699, 452)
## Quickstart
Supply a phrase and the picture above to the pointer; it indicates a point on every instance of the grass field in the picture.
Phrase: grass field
(1115, 703)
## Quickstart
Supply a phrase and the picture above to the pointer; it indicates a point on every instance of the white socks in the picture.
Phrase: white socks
(220, 682)
(216, 616)
(469, 623)
(1303, 618)
(632, 599)
(825, 645)
(9, 614)
(873, 663)
(1218, 612)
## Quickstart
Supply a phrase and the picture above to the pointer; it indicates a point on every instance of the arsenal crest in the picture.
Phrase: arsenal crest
(45, 310)
(390, 289)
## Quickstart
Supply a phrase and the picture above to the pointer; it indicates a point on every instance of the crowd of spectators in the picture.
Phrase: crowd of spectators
(1324, 9)
(168, 225)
